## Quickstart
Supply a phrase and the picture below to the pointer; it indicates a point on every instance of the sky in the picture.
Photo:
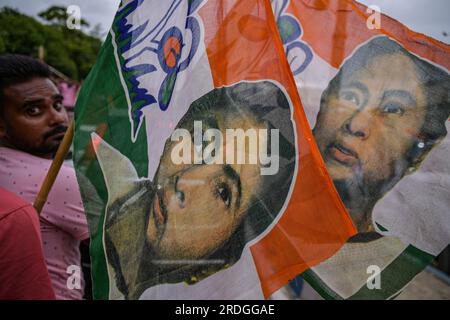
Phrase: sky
(430, 17)
(426, 16)
(93, 11)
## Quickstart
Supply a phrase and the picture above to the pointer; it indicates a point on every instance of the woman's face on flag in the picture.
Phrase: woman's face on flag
(197, 207)
(368, 123)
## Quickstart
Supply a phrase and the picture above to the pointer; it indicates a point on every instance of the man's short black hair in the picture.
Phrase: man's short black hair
(16, 68)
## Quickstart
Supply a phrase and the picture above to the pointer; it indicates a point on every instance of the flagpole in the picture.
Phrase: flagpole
(53, 171)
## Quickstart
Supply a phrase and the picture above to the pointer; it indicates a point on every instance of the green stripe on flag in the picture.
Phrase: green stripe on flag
(320, 286)
(105, 111)
(381, 227)
(397, 274)
(394, 277)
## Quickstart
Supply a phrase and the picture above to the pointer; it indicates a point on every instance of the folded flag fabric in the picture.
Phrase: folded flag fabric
(376, 96)
(197, 166)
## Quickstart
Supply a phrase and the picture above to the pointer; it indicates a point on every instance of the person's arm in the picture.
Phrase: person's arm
(24, 274)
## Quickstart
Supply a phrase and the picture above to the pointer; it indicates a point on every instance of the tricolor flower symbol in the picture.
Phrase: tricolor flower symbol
(298, 53)
(154, 49)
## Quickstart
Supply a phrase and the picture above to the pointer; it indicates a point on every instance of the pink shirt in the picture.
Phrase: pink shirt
(63, 223)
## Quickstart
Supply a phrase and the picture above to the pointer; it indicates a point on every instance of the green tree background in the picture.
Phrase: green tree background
(70, 51)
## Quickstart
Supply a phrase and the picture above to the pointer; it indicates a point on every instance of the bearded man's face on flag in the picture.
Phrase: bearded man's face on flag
(370, 127)
(198, 202)
(195, 202)
(200, 212)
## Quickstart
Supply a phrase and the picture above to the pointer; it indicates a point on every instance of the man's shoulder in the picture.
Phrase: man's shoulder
(17, 156)
(10, 151)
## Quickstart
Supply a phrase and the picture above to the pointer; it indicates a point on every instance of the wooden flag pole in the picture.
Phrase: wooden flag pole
(53, 171)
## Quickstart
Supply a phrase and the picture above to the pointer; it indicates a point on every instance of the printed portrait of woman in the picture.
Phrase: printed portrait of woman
(194, 219)
(379, 118)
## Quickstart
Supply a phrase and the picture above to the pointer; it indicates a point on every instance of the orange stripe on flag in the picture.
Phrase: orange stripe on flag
(243, 44)
(334, 28)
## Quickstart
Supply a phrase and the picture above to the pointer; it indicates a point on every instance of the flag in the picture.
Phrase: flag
(376, 96)
(198, 170)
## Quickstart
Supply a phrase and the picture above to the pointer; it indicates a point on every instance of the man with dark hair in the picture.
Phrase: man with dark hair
(32, 119)
(195, 219)
(379, 117)
(33, 122)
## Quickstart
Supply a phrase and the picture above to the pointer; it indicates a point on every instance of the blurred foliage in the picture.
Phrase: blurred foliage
(70, 51)
(58, 16)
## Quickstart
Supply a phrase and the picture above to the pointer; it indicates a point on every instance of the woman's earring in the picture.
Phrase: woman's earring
(417, 151)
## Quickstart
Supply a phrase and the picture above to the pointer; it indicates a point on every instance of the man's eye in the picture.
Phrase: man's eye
(393, 109)
(350, 97)
(58, 106)
(224, 192)
(33, 111)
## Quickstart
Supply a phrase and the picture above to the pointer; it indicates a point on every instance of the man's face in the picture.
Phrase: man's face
(34, 119)
(198, 207)
(367, 125)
